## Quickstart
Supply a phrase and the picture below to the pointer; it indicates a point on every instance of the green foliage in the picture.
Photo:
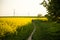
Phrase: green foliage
(47, 31)
(53, 8)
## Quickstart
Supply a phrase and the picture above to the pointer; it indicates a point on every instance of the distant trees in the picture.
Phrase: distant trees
(39, 15)
(53, 8)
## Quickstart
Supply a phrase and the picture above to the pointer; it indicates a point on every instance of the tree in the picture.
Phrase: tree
(39, 15)
(53, 8)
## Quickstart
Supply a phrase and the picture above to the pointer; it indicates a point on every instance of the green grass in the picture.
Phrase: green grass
(22, 33)
(46, 31)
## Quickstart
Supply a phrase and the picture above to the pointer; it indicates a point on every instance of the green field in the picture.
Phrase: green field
(46, 31)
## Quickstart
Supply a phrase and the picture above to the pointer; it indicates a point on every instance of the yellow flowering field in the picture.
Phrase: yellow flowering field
(11, 24)
(21, 21)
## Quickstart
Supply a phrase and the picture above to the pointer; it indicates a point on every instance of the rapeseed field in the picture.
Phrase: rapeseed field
(21, 21)
(9, 25)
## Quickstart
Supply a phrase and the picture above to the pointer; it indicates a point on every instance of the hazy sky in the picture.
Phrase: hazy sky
(22, 7)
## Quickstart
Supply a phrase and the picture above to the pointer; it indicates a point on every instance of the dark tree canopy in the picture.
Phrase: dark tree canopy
(53, 8)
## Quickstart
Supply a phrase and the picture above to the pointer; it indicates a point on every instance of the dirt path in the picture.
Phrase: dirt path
(30, 37)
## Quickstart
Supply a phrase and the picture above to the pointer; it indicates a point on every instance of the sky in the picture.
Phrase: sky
(21, 7)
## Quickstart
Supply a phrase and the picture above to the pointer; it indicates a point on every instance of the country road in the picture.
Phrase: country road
(30, 37)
